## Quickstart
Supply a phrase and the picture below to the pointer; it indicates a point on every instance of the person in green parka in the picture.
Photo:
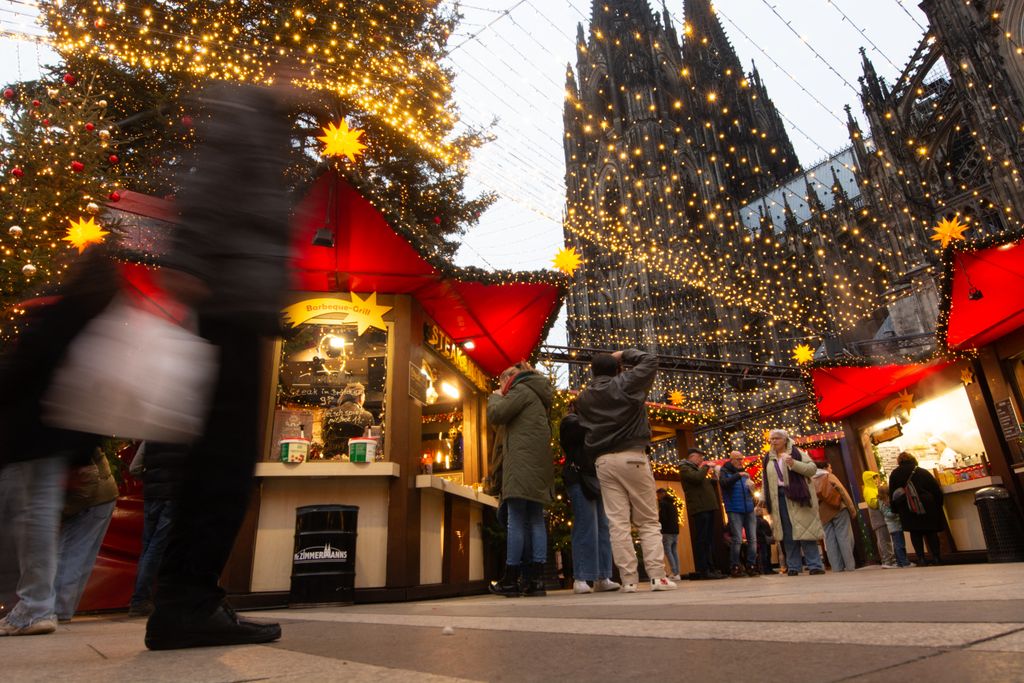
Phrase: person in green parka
(521, 405)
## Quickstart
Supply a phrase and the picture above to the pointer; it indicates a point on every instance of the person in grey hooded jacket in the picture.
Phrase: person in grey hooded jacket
(613, 410)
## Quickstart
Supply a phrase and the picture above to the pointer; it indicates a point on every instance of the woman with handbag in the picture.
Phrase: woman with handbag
(917, 498)
(591, 542)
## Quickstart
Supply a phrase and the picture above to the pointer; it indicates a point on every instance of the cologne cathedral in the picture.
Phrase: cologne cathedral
(702, 234)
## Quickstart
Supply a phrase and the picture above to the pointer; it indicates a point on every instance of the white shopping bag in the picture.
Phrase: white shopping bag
(133, 374)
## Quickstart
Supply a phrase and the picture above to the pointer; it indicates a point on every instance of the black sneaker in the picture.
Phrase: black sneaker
(817, 572)
(223, 627)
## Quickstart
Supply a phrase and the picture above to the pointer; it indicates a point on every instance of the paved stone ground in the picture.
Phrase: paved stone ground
(951, 623)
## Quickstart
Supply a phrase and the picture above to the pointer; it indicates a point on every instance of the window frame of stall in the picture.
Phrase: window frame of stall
(339, 316)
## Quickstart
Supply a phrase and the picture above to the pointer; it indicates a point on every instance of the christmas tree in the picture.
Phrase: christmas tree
(374, 68)
(61, 163)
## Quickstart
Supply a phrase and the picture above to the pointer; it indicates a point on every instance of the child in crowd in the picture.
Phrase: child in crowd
(892, 523)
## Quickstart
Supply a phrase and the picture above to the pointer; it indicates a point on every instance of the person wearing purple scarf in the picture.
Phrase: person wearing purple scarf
(792, 502)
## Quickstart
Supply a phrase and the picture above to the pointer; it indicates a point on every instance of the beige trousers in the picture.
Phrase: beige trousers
(627, 489)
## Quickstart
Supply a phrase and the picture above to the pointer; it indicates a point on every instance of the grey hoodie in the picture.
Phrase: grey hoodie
(613, 409)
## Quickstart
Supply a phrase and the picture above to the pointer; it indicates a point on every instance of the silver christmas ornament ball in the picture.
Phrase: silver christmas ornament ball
(93, 208)
(28, 270)
(15, 231)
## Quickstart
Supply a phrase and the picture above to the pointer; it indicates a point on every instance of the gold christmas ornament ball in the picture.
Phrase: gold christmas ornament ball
(104, 135)
(15, 231)
(311, 18)
(93, 208)
(28, 270)
(52, 93)
(101, 103)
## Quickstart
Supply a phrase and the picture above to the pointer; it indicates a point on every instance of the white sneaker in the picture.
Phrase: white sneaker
(675, 577)
(605, 585)
(890, 566)
(36, 628)
(663, 584)
(581, 587)
(629, 588)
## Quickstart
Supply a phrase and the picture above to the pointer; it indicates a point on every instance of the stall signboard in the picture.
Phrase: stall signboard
(1008, 421)
(363, 312)
(889, 433)
(446, 347)
(418, 383)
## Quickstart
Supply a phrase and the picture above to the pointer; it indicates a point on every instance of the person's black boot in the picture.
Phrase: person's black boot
(533, 582)
(507, 585)
(223, 627)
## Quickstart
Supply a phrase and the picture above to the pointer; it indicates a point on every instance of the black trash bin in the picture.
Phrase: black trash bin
(324, 562)
(1000, 522)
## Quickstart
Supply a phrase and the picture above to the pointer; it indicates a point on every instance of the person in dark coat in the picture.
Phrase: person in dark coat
(668, 516)
(922, 527)
(701, 506)
(229, 258)
(160, 466)
(591, 542)
(739, 507)
(528, 476)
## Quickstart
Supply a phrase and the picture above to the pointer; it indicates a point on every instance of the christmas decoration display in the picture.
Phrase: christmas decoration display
(58, 169)
(676, 398)
(342, 141)
(567, 260)
(949, 230)
(84, 232)
(803, 354)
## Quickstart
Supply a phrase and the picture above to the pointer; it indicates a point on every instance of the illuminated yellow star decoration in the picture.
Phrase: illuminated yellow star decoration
(84, 232)
(567, 260)
(366, 313)
(903, 403)
(676, 398)
(966, 376)
(803, 354)
(947, 230)
(342, 141)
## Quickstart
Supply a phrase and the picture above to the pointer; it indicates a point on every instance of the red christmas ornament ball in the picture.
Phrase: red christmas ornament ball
(114, 197)
(113, 159)
(69, 79)
(90, 127)
(8, 93)
(437, 220)
(36, 103)
(77, 166)
(186, 121)
(17, 172)
(46, 123)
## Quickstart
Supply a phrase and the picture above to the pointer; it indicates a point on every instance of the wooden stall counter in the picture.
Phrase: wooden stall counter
(451, 518)
(284, 487)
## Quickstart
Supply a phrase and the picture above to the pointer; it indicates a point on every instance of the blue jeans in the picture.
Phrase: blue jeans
(792, 548)
(526, 518)
(80, 539)
(899, 546)
(34, 490)
(591, 543)
(738, 523)
(839, 543)
(156, 530)
(670, 542)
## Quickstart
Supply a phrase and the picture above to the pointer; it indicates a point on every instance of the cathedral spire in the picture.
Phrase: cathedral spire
(705, 31)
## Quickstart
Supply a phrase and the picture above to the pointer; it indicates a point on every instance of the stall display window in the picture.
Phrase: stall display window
(1012, 415)
(331, 384)
(940, 432)
(442, 444)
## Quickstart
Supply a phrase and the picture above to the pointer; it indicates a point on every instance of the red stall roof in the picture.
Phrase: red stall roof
(504, 314)
(844, 390)
(986, 298)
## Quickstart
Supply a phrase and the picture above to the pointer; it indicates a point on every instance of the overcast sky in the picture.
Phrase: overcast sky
(510, 58)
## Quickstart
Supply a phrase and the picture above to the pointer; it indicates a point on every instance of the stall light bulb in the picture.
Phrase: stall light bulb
(450, 390)
(469, 345)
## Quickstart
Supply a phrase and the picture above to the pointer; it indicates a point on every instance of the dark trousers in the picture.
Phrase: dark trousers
(218, 480)
(702, 524)
(918, 539)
